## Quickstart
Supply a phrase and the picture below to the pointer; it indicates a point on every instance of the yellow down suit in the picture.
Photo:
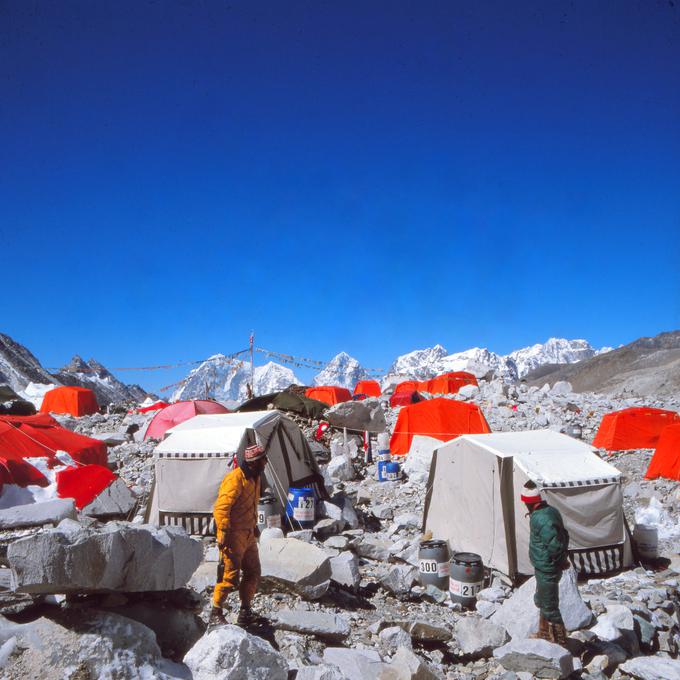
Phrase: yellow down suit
(235, 513)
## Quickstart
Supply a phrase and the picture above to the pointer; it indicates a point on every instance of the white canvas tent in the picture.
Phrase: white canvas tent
(473, 499)
(194, 457)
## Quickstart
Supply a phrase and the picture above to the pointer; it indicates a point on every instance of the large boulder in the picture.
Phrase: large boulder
(230, 653)
(519, 615)
(322, 671)
(616, 620)
(117, 556)
(406, 665)
(540, 658)
(37, 514)
(116, 500)
(358, 415)
(94, 645)
(296, 566)
(355, 664)
(345, 570)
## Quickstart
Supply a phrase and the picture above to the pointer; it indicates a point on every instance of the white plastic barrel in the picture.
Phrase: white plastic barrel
(646, 537)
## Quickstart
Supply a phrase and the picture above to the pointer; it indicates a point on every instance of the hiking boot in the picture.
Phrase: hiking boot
(217, 618)
(247, 617)
(543, 632)
(559, 634)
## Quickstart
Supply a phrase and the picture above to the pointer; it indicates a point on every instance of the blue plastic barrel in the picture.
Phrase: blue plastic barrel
(384, 455)
(392, 472)
(382, 464)
(300, 508)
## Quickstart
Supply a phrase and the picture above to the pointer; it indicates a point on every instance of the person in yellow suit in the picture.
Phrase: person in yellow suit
(235, 513)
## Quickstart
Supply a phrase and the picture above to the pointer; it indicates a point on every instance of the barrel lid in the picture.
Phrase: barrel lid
(301, 489)
(433, 543)
(466, 558)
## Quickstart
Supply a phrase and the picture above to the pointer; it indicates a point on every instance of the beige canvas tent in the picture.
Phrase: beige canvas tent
(473, 499)
(192, 460)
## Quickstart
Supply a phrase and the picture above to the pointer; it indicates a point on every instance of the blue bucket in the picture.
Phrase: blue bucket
(382, 474)
(300, 508)
(384, 455)
(392, 472)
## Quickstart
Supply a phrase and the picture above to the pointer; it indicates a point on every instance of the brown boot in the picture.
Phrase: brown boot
(559, 634)
(543, 632)
(216, 618)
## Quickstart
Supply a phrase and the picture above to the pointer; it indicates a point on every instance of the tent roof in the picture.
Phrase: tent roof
(547, 457)
(213, 433)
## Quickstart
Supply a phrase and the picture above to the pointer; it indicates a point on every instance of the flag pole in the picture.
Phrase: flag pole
(252, 361)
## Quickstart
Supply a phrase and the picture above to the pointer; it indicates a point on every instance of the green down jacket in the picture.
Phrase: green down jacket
(548, 539)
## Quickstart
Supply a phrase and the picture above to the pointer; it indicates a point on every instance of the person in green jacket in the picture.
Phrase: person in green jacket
(548, 552)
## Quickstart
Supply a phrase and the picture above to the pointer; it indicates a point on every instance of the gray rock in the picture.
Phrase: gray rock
(399, 580)
(345, 570)
(423, 631)
(116, 556)
(406, 665)
(561, 387)
(204, 577)
(110, 438)
(37, 514)
(396, 636)
(540, 658)
(336, 542)
(373, 548)
(355, 664)
(321, 624)
(417, 463)
(116, 500)
(382, 511)
(230, 653)
(297, 566)
(339, 469)
(652, 668)
(494, 594)
(434, 594)
(468, 391)
(477, 637)
(323, 671)
(613, 622)
(305, 535)
(486, 609)
(358, 415)
(328, 527)
(519, 615)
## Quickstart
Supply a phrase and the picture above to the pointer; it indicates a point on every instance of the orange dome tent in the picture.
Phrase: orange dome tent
(443, 419)
(633, 428)
(371, 388)
(407, 386)
(447, 383)
(666, 459)
(328, 394)
(78, 401)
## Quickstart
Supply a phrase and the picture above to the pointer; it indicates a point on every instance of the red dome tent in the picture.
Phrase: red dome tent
(443, 419)
(447, 383)
(179, 412)
(40, 436)
(666, 459)
(633, 428)
(328, 394)
(371, 388)
(77, 401)
(405, 398)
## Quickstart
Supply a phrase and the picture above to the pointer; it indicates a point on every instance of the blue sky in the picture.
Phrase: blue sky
(369, 177)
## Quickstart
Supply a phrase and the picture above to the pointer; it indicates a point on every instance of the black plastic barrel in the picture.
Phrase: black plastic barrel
(434, 567)
(466, 578)
(268, 513)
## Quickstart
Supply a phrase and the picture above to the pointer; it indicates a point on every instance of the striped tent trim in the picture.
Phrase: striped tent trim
(191, 456)
(195, 523)
(591, 561)
(600, 481)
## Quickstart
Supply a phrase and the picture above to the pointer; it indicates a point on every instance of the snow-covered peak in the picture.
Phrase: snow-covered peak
(420, 364)
(343, 371)
(224, 379)
(479, 361)
(18, 367)
(553, 351)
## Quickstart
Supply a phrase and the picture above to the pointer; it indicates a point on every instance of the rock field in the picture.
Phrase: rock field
(120, 599)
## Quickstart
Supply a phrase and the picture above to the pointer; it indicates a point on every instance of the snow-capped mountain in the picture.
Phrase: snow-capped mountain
(343, 371)
(93, 375)
(553, 351)
(420, 364)
(18, 367)
(426, 363)
(225, 379)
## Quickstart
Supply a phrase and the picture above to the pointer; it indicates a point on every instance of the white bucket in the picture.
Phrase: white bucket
(646, 537)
